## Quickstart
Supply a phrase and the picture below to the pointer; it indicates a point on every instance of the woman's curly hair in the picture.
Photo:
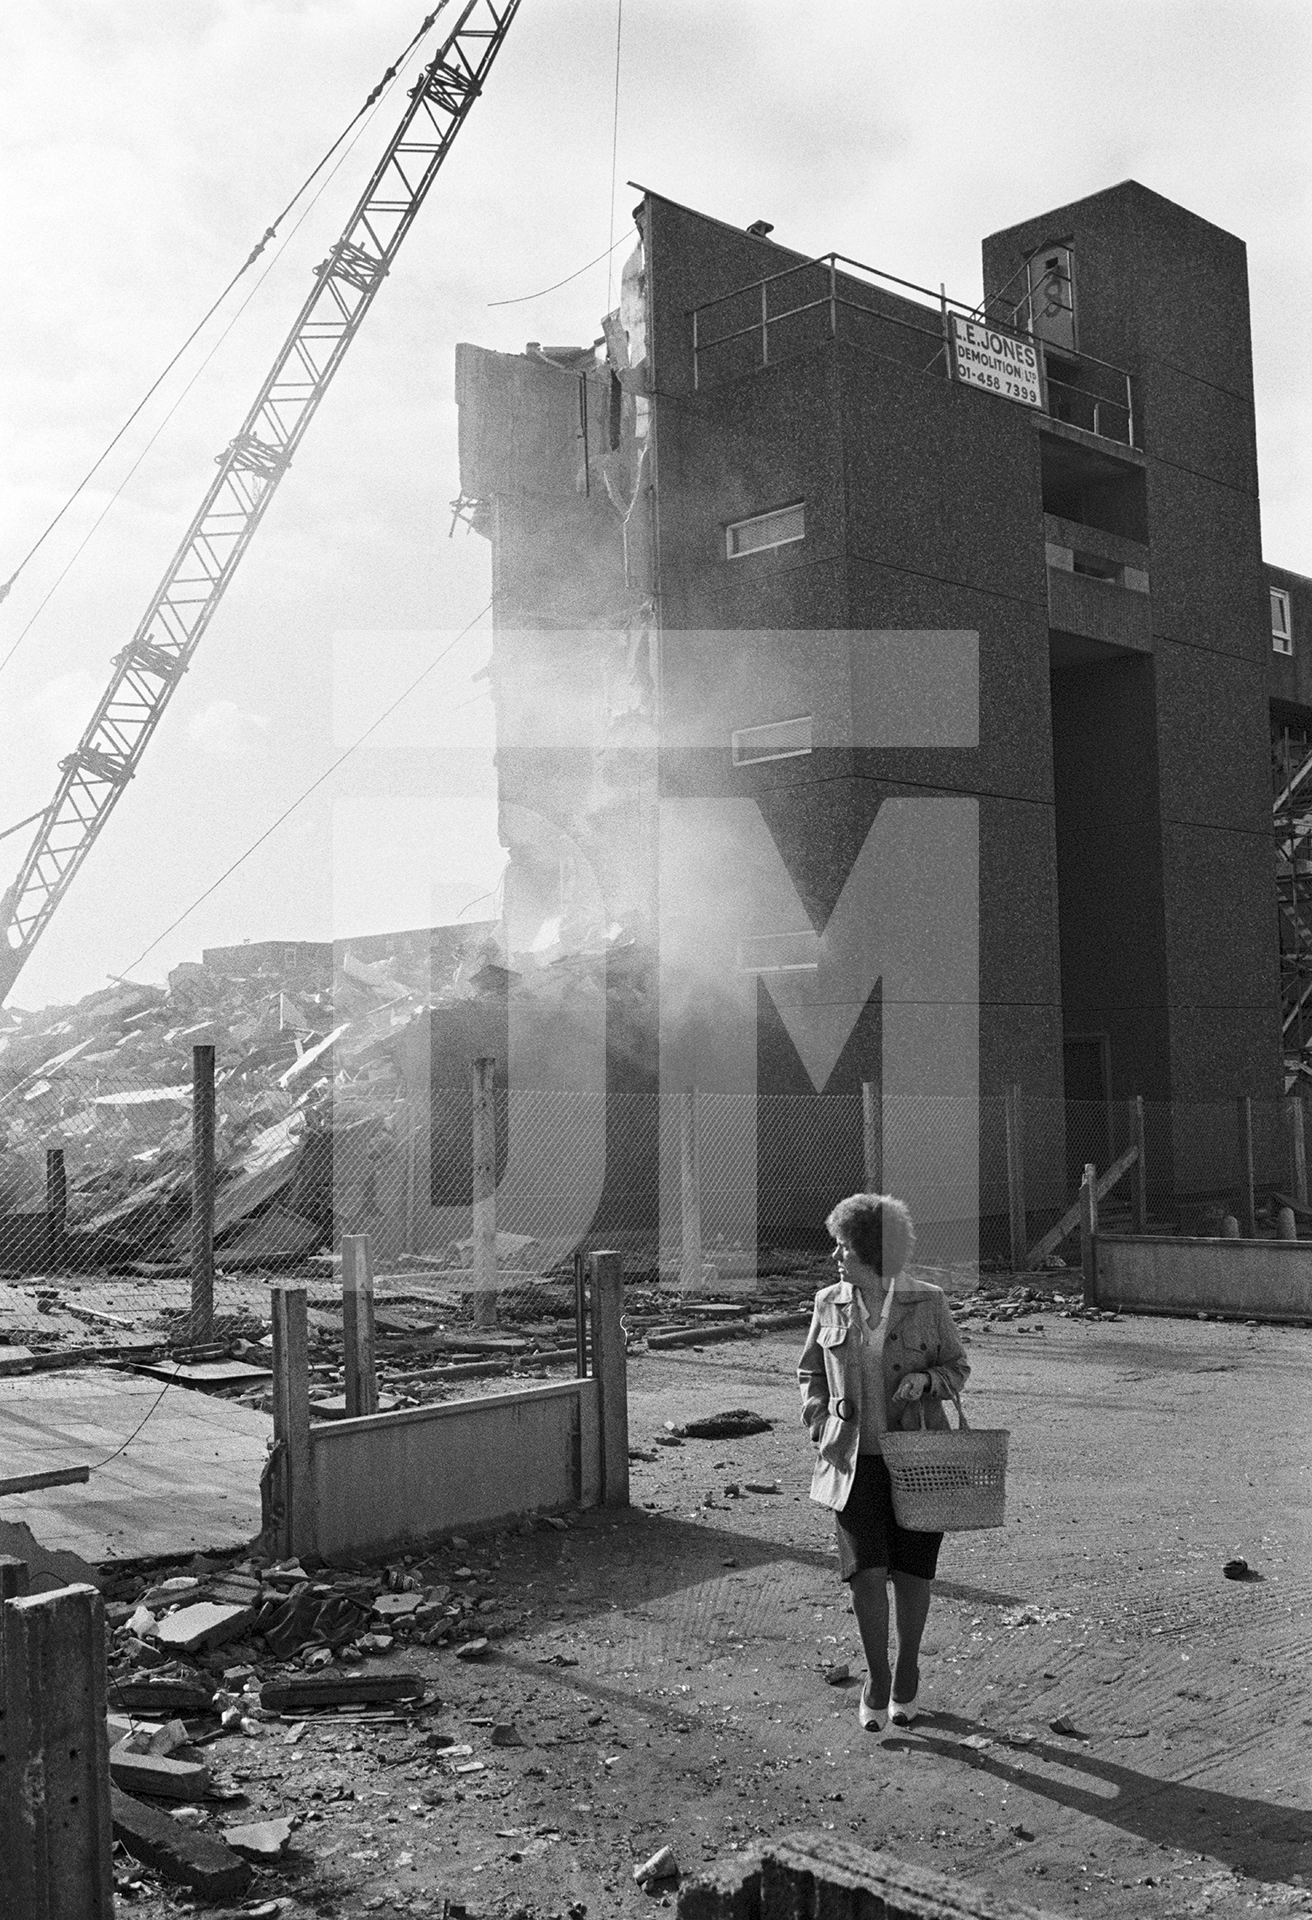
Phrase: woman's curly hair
(877, 1228)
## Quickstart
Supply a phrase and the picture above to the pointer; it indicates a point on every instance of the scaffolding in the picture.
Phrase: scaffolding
(1291, 766)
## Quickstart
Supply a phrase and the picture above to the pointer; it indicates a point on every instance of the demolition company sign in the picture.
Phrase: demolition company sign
(1000, 362)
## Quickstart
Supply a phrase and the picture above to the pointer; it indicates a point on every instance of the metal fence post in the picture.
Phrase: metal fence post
(1139, 1177)
(1247, 1194)
(580, 1315)
(872, 1136)
(202, 1193)
(1297, 1147)
(485, 1193)
(611, 1370)
(1089, 1233)
(690, 1191)
(291, 1419)
(358, 1325)
(56, 1207)
(56, 1838)
(1013, 1114)
(411, 1176)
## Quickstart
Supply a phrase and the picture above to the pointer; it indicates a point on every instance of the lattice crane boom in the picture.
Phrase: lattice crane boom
(150, 667)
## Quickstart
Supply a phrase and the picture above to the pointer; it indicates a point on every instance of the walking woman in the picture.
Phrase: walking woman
(879, 1342)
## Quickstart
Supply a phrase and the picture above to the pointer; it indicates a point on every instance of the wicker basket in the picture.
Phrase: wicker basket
(947, 1482)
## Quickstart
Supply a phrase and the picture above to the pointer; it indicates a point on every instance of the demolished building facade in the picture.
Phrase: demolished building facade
(699, 522)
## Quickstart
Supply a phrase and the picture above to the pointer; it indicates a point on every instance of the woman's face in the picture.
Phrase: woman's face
(852, 1268)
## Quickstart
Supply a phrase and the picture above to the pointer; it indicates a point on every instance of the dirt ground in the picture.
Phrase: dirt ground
(664, 1667)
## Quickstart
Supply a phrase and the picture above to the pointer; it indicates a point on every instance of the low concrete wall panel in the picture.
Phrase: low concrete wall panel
(391, 1478)
(1251, 1279)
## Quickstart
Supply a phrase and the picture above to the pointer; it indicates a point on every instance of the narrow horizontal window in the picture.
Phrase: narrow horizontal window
(779, 952)
(765, 530)
(1282, 631)
(780, 740)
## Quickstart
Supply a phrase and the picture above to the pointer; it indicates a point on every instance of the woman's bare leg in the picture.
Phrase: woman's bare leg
(911, 1598)
(870, 1605)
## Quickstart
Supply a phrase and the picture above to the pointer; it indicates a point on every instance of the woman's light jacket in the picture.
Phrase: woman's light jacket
(921, 1338)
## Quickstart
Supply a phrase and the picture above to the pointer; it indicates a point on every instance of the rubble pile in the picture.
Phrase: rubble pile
(994, 1305)
(225, 1639)
(307, 1047)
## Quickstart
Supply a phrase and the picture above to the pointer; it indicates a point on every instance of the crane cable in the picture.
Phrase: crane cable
(317, 782)
(269, 233)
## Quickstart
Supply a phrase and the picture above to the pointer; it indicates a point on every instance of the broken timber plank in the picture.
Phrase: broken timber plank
(57, 1477)
(1053, 1238)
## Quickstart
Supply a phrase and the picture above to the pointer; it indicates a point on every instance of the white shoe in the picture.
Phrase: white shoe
(873, 1719)
(902, 1712)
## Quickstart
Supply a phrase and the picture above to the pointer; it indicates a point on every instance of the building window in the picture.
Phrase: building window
(764, 530)
(1282, 632)
(780, 740)
(779, 952)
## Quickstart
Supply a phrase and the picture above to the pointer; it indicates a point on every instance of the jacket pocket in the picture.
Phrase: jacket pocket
(834, 1327)
(836, 1441)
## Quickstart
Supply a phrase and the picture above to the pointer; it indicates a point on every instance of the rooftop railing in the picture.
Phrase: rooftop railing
(765, 321)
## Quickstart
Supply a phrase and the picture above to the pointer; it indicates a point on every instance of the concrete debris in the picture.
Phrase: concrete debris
(163, 1693)
(261, 1842)
(312, 1052)
(661, 1866)
(302, 1693)
(188, 1859)
(161, 1775)
(197, 1628)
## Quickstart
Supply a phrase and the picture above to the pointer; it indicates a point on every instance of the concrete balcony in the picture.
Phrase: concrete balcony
(1098, 586)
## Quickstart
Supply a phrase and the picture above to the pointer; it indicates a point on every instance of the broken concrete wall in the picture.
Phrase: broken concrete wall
(555, 465)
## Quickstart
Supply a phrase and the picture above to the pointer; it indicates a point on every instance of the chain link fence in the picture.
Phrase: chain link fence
(717, 1193)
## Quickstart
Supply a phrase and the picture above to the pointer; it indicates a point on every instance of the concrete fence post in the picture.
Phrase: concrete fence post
(1089, 1234)
(1247, 1189)
(872, 1136)
(1139, 1177)
(690, 1191)
(1014, 1118)
(291, 1420)
(56, 1837)
(411, 1177)
(202, 1193)
(56, 1207)
(358, 1325)
(610, 1370)
(485, 1193)
(13, 1577)
(1297, 1147)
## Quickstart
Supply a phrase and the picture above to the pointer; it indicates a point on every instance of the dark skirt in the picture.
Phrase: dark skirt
(868, 1533)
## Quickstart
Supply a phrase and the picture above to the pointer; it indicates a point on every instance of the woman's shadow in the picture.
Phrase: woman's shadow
(1258, 1838)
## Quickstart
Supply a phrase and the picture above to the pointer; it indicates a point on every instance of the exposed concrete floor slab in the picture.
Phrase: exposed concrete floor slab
(188, 1482)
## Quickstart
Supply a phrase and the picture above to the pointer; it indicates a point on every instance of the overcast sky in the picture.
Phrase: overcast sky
(147, 146)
